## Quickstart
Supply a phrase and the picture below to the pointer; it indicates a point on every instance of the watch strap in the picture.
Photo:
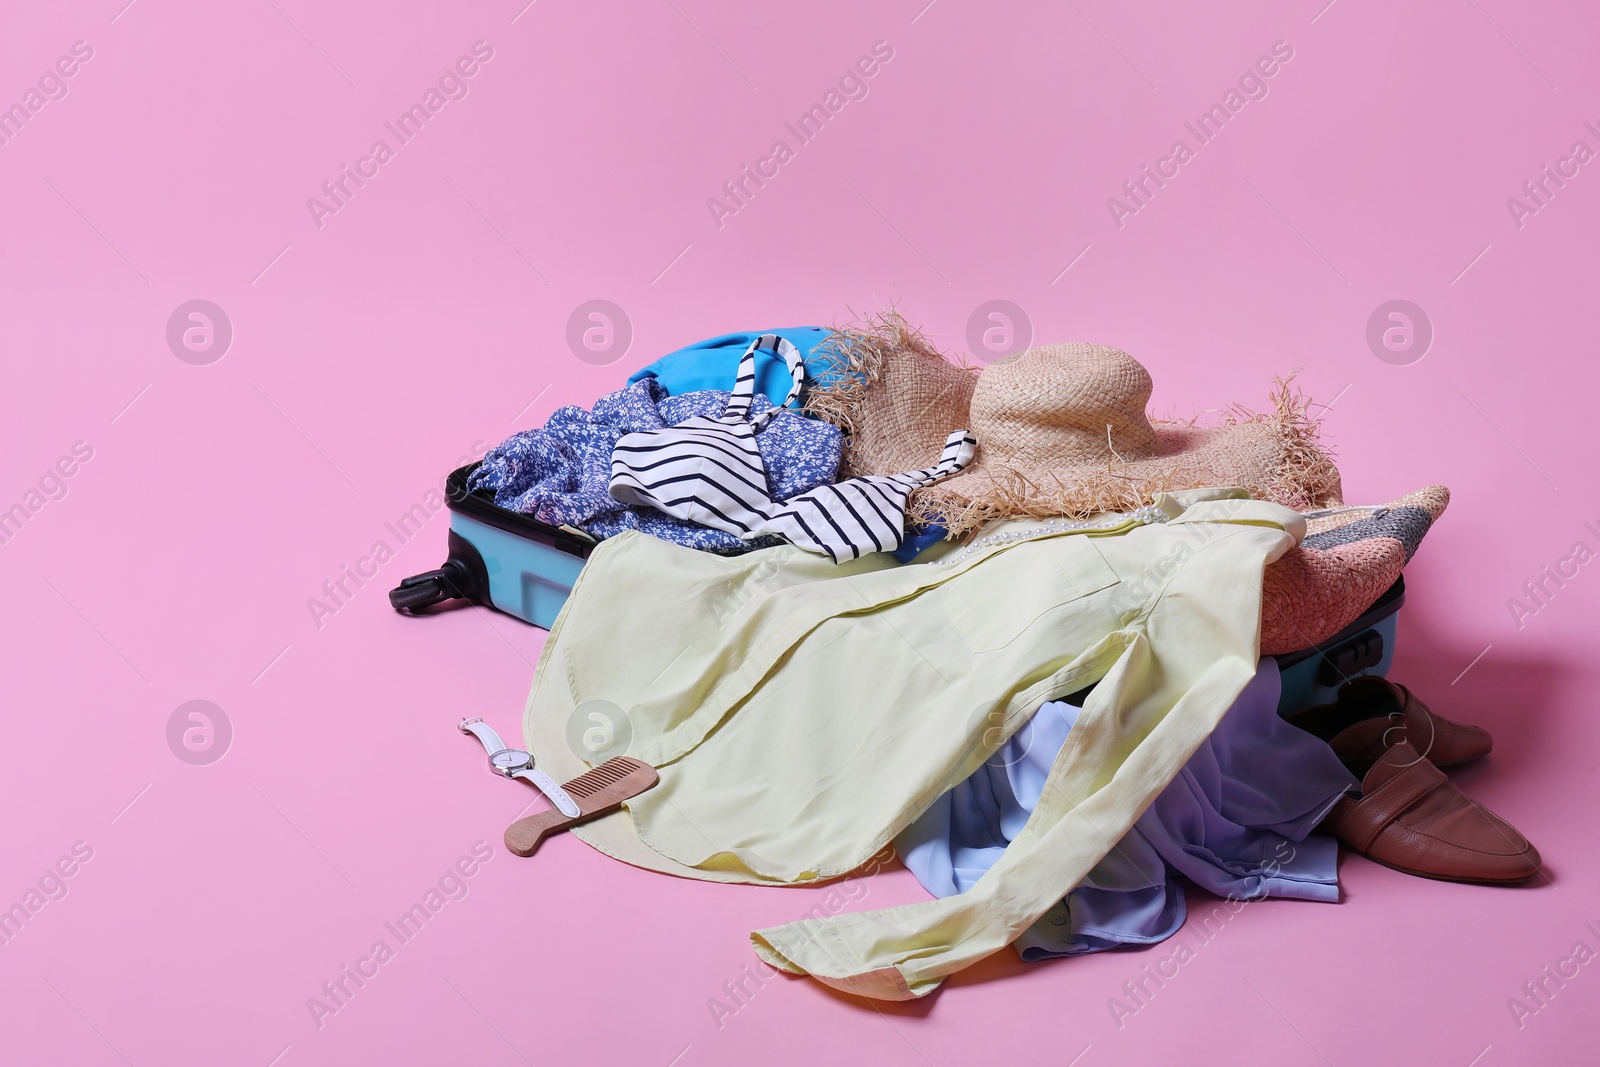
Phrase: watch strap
(484, 733)
(551, 789)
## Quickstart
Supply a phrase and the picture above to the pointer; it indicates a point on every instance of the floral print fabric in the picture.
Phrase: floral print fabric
(559, 473)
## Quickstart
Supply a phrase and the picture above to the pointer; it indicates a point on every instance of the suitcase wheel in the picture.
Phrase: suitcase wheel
(463, 577)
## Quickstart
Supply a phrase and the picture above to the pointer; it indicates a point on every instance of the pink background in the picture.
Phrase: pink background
(428, 317)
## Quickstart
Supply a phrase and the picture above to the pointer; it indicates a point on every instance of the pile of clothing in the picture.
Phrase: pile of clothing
(848, 593)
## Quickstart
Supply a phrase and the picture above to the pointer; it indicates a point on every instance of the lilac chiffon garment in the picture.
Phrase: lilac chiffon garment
(560, 473)
(1234, 821)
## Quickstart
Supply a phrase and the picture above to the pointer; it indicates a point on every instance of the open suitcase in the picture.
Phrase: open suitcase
(525, 568)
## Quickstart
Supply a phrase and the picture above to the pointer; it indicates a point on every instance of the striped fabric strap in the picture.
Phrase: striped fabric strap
(850, 518)
(744, 385)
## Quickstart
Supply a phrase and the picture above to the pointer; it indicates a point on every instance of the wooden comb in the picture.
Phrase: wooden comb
(598, 792)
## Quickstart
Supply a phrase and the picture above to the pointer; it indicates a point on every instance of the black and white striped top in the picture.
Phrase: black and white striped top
(709, 471)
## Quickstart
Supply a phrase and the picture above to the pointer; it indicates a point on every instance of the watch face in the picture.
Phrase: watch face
(511, 759)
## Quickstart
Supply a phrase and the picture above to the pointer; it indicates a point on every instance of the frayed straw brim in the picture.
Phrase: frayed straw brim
(1275, 455)
(895, 397)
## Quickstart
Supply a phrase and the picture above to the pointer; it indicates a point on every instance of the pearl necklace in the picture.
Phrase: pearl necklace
(1142, 515)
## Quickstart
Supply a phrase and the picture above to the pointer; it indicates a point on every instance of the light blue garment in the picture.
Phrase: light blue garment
(1234, 821)
(714, 363)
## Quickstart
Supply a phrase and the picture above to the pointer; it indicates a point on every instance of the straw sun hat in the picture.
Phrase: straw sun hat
(1061, 430)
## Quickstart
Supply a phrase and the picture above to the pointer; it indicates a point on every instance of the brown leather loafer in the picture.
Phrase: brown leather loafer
(1372, 713)
(1414, 819)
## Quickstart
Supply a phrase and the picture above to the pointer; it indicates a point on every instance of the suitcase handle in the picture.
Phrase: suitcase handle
(1350, 658)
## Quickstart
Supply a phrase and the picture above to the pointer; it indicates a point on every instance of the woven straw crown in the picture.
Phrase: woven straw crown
(1064, 405)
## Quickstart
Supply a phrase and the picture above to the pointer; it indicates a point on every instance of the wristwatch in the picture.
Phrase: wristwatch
(515, 763)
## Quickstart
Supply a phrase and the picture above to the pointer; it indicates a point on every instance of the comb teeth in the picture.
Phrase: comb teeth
(610, 772)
